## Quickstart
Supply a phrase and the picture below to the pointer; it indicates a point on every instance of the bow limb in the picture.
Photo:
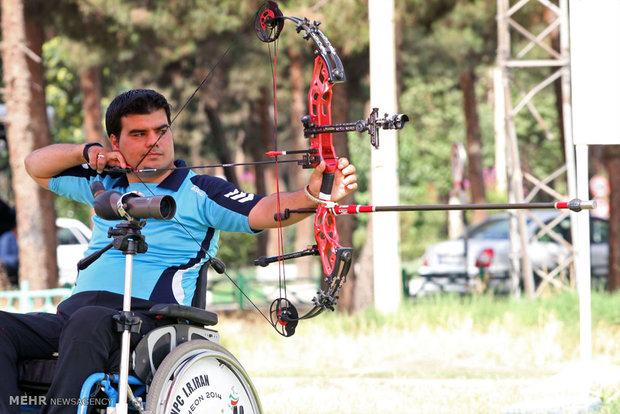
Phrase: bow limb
(319, 106)
(335, 259)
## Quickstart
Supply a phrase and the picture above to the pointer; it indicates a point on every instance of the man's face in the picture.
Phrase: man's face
(141, 132)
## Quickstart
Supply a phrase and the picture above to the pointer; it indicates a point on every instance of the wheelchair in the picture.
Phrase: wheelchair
(176, 368)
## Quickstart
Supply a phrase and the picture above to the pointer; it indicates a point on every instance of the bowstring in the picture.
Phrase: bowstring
(273, 59)
(209, 257)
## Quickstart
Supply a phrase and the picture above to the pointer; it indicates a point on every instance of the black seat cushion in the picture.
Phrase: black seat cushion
(188, 313)
(35, 375)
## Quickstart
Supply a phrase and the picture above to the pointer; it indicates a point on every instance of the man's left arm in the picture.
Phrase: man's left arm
(345, 181)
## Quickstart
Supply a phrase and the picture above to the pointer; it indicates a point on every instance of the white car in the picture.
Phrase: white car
(73, 237)
(455, 265)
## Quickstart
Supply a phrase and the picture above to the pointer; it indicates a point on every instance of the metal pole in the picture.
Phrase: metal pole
(503, 54)
(521, 266)
(583, 270)
(500, 130)
(569, 147)
(121, 406)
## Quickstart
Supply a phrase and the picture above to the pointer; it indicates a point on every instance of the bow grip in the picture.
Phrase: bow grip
(326, 186)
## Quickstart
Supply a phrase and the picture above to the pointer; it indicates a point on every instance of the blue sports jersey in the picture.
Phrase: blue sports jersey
(167, 272)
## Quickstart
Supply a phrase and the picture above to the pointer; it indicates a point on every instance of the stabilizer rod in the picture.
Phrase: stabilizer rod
(573, 205)
(264, 261)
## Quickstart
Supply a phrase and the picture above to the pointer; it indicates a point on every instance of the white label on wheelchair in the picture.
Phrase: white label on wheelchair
(207, 386)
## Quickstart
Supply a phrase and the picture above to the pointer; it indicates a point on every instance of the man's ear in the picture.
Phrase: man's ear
(114, 142)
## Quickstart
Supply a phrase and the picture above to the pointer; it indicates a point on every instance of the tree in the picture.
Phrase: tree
(466, 36)
(446, 45)
(474, 143)
(612, 161)
(90, 85)
(28, 130)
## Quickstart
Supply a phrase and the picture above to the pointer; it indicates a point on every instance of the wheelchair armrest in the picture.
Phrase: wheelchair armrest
(189, 313)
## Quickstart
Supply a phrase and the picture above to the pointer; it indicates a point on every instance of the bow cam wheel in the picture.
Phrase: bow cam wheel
(268, 23)
(284, 316)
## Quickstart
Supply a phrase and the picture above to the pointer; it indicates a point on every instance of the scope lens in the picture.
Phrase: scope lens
(167, 208)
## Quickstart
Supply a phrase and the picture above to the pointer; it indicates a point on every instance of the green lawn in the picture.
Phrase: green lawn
(446, 354)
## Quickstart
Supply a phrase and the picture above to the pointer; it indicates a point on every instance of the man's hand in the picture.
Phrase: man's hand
(99, 158)
(345, 180)
(47, 162)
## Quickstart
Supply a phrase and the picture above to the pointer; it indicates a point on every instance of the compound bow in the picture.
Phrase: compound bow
(318, 128)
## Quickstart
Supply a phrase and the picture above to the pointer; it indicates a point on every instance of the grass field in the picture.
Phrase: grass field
(442, 355)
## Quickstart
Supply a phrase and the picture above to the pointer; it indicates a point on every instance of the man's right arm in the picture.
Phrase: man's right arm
(48, 162)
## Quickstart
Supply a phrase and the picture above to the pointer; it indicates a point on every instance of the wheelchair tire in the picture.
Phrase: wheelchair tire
(201, 377)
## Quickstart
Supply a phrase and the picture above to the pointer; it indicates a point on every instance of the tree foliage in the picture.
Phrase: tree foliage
(172, 45)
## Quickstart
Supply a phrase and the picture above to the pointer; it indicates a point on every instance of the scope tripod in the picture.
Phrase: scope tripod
(128, 238)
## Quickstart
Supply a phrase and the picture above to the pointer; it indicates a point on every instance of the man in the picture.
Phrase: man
(138, 125)
(9, 252)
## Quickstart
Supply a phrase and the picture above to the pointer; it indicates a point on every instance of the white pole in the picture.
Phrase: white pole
(386, 255)
(578, 186)
(121, 405)
(500, 130)
(594, 78)
(582, 268)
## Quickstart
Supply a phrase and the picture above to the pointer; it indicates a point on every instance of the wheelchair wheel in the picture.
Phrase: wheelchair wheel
(199, 377)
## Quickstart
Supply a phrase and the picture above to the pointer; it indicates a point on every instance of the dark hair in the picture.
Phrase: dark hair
(135, 101)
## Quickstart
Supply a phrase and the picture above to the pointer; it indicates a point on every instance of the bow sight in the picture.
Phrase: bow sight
(373, 124)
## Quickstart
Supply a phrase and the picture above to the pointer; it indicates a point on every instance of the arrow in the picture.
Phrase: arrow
(573, 205)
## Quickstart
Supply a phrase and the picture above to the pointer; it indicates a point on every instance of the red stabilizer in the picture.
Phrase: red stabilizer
(354, 209)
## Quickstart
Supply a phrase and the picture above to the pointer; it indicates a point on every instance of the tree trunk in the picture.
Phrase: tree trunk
(364, 278)
(35, 38)
(612, 161)
(90, 85)
(304, 235)
(260, 119)
(265, 174)
(218, 141)
(27, 130)
(474, 145)
(549, 16)
(345, 223)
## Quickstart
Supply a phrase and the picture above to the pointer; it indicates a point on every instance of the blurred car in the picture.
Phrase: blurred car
(456, 265)
(73, 237)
